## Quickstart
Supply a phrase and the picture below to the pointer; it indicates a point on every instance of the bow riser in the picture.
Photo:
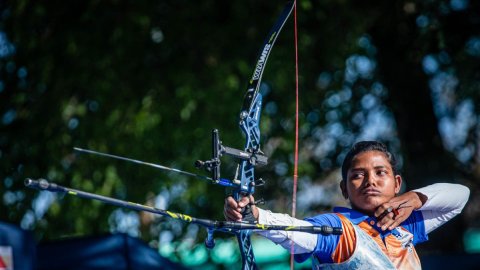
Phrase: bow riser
(250, 128)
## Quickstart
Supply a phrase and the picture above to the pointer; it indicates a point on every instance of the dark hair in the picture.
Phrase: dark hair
(365, 146)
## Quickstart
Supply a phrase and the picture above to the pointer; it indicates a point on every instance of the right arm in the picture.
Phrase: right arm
(444, 201)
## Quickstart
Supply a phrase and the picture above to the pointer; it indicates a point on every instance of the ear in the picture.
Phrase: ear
(343, 187)
(398, 183)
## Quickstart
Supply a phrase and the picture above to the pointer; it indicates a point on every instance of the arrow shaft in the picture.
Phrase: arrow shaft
(222, 182)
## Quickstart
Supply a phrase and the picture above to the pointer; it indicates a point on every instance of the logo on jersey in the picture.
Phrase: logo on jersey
(405, 238)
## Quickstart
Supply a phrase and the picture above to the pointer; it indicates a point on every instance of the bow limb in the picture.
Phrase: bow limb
(249, 124)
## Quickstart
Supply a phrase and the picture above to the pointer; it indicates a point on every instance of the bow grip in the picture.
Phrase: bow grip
(247, 214)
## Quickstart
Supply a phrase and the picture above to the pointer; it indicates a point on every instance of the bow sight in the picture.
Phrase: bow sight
(254, 157)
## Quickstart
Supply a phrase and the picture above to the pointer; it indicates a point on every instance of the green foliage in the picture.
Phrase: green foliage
(150, 80)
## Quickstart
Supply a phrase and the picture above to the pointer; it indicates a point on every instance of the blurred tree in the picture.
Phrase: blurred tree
(403, 44)
(149, 81)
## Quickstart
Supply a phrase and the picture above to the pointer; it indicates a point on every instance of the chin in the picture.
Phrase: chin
(373, 201)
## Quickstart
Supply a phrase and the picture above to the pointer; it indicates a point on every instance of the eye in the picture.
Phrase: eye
(356, 175)
(382, 172)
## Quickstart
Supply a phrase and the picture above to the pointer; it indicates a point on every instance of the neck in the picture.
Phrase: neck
(368, 212)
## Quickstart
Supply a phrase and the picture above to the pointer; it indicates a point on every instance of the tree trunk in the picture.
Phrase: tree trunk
(400, 49)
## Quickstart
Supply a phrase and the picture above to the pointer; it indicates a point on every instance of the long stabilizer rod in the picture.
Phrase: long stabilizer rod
(225, 226)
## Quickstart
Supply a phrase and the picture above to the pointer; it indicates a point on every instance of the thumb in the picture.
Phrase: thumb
(246, 200)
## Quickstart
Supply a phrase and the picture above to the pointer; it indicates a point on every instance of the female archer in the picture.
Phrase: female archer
(380, 230)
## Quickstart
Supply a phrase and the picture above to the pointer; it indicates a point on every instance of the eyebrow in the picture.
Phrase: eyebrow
(362, 168)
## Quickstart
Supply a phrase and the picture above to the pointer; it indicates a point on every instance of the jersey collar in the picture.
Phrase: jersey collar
(353, 215)
(357, 217)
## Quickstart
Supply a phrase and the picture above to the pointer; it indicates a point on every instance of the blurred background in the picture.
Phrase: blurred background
(150, 79)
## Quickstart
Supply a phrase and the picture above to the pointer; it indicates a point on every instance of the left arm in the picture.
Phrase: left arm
(301, 242)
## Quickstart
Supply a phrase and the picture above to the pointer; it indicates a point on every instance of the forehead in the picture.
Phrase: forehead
(370, 158)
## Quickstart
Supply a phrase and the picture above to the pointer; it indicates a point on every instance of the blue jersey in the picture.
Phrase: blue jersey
(398, 244)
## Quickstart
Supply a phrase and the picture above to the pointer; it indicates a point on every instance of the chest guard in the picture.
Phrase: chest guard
(367, 256)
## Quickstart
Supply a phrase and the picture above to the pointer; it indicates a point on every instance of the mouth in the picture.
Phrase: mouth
(371, 191)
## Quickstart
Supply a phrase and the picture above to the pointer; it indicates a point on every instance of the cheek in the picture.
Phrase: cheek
(389, 186)
(354, 185)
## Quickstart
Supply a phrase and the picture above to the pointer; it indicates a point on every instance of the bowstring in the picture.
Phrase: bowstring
(295, 163)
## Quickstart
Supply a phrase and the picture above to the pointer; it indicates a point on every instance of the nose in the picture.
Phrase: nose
(369, 179)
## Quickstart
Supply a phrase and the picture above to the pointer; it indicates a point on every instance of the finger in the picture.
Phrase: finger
(387, 224)
(231, 210)
(395, 224)
(231, 214)
(231, 202)
(251, 199)
(384, 213)
(385, 219)
(380, 211)
(399, 217)
(225, 210)
(244, 201)
(237, 206)
(397, 221)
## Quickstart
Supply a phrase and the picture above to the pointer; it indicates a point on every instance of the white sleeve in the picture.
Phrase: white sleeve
(303, 242)
(444, 202)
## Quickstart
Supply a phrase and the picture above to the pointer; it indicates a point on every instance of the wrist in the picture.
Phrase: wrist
(261, 215)
(419, 199)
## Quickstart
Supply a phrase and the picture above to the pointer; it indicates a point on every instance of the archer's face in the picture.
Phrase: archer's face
(370, 181)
